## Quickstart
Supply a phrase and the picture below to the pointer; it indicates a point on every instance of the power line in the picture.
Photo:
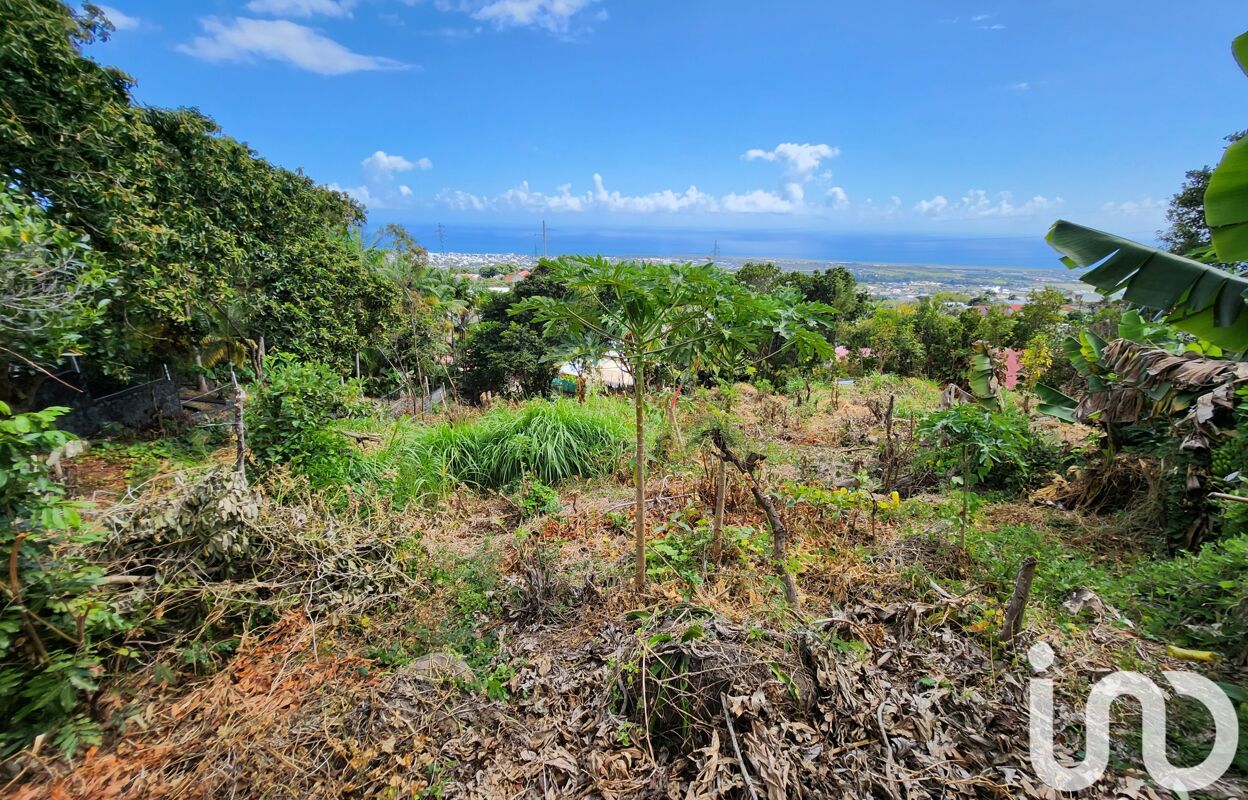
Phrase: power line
(545, 240)
(441, 238)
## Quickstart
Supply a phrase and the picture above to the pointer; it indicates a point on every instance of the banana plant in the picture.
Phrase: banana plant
(1225, 208)
(1196, 297)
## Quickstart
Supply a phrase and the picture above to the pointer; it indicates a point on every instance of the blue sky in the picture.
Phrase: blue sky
(938, 118)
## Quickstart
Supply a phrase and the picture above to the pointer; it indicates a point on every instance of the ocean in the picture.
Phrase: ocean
(735, 244)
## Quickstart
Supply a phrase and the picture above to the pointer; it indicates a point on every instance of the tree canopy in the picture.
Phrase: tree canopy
(199, 232)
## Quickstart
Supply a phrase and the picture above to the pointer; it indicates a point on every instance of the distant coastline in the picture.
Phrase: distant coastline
(736, 246)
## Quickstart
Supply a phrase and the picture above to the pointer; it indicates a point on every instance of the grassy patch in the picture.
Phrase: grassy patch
(541, 440)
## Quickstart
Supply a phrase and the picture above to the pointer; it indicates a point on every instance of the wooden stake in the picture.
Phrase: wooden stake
(717, 524)
(1018, 601)
(240, 434)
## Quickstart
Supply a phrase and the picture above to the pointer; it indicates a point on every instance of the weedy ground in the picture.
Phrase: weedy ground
(451, 616)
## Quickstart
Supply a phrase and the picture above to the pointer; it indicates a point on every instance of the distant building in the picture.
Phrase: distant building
(608, 372)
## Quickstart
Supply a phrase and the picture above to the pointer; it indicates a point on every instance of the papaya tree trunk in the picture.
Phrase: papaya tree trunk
(639, 510)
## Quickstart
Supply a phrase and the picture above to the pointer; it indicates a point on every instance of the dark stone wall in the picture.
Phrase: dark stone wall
(135, 407)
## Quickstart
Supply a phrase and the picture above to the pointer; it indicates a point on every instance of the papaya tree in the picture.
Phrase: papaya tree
(650, 315)
(643, 312)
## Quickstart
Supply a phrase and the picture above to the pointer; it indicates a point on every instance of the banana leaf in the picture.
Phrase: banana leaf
(1226, 199)
(1055, 404)
(1200, 299)
(1226, 204)
(981, 375)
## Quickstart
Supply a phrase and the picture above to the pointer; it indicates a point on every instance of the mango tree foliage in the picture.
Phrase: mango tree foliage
(51, 290)
(191, 222)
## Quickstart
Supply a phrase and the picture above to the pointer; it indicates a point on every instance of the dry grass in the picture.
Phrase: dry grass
(884, 685)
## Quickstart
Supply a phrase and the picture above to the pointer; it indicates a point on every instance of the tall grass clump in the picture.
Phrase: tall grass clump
(548, 441)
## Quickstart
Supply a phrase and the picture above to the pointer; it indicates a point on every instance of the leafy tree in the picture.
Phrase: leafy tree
(507, 351)
(888, 334)
(1035, 362)
(758, 276)
(52, 290)
(189, 221)
(52, 619)
(506, 358)
(1039, 316)
(836, 287)
(995, 327)
(938, 332)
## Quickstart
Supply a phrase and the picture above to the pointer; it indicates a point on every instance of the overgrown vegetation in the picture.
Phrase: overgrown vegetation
(785, 558)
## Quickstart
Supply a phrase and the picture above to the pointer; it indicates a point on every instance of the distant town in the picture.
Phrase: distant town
(900, 282)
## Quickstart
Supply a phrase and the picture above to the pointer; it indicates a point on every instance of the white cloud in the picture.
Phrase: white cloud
(243, 39)
(602, 199)
(800, 163)
(980, 17)
(977, 204)
(598, 199)
(933, 207)
(121, 20)
(360, 194)
(757, 202)
(460, 200)
(302, 8)
(800, 166)
(996, 26)
(1146, 206)
(1021, 86)
(556, 16)
(380, 190)
(383, 165)
(666, 200)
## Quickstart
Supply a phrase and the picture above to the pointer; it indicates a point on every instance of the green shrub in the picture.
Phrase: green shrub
(989, 448)
(537, 499)
(1063, 569)
(53, 619)
(1193, 600)
(1197, 599)
(289, 416)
